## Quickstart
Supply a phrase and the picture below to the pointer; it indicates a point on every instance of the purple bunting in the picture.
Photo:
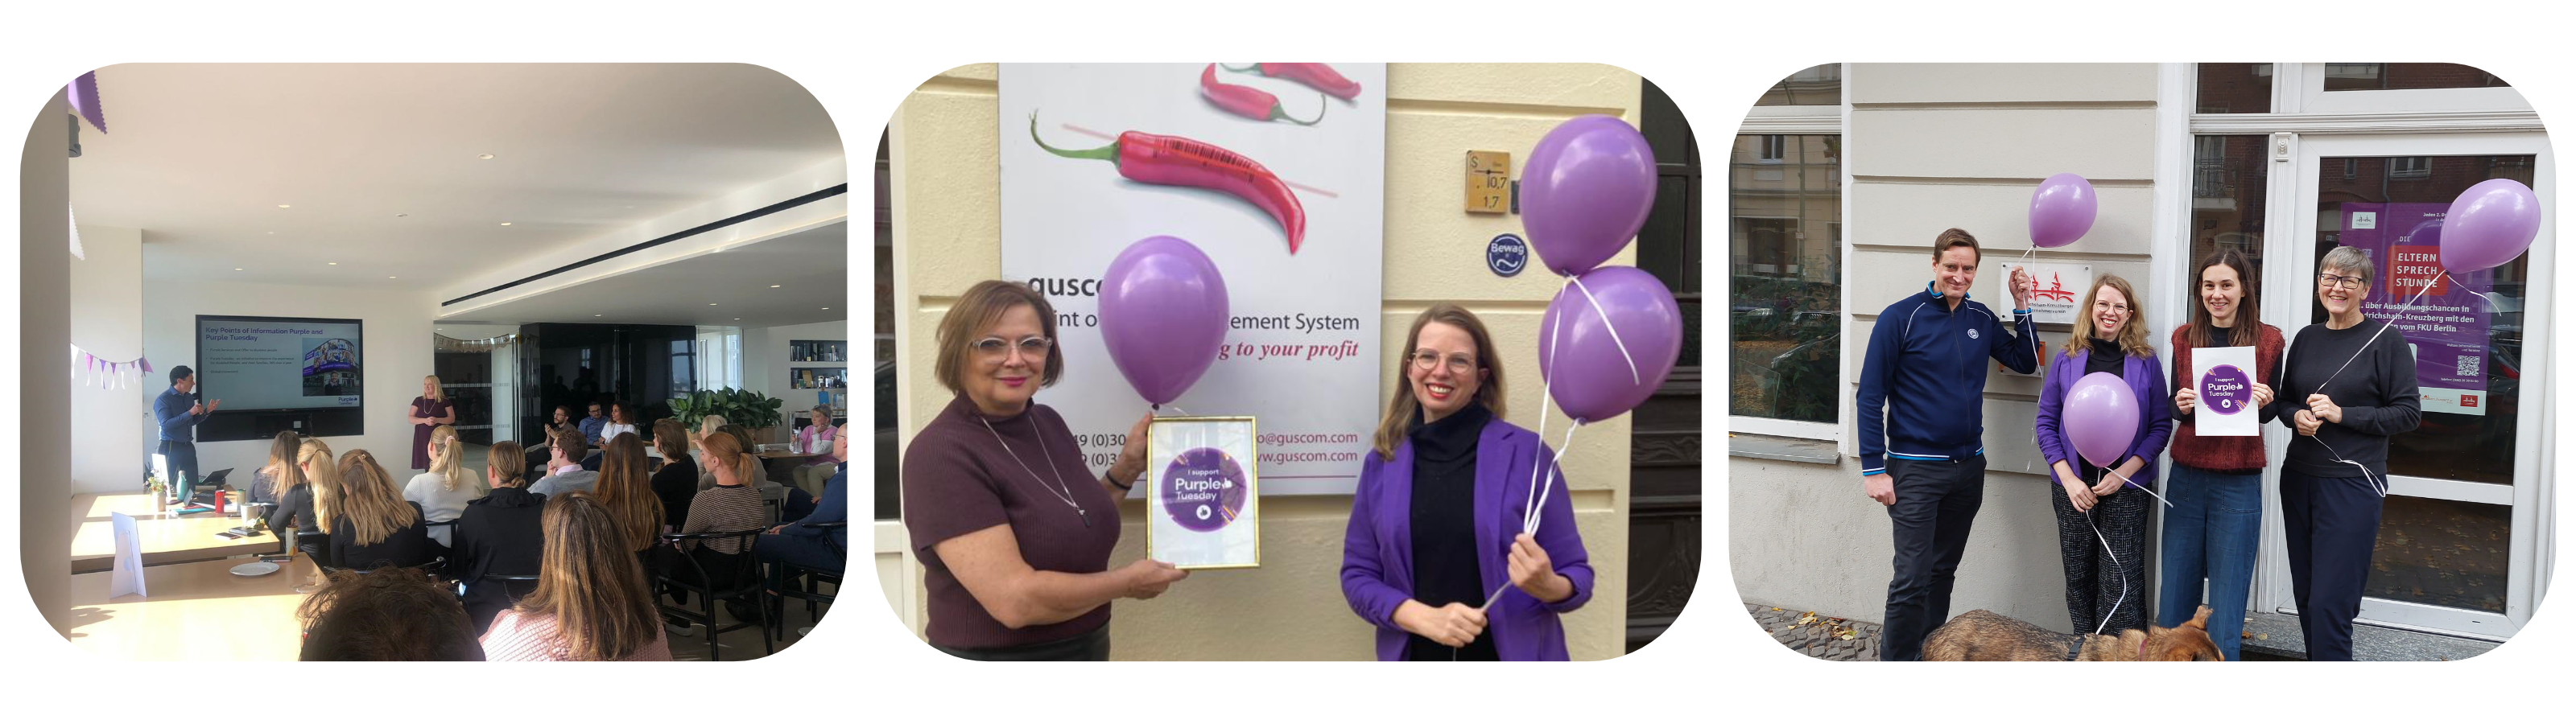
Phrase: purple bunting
(84, 98)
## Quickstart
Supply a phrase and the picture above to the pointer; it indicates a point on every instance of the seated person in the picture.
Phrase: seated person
(591, 603)
(565, 473)
(299, 517)
(732, 505)
(269, 483)
(370, 525)
(499, 535)
(821, 440)
(677, 481)
(394, 614)
(817, 548)
(444, 489)
(793, 502)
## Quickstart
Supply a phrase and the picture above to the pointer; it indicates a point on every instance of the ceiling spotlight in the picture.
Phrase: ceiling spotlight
(335, 263)
(486, 157)
(237, 268)
(773, 286)
(505, 223)
(711, 304)
(400, 215)
(737, 319)
(596, 315)
(283, 206)
(388, 277)
(827, 309)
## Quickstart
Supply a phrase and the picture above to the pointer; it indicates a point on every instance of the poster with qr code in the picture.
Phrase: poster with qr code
(2443, 315)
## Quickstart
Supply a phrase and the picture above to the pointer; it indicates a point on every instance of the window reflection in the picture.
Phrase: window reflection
(1816, 86)
(1785, 262)
(2405, 76)
(2234, 88)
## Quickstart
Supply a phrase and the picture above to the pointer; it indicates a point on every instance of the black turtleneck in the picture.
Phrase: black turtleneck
(1444, 524)
(2106, 356)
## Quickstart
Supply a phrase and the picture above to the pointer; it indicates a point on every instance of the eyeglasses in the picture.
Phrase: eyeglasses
(2106, 306)
(2331, 280)
(1424, 359)
(995, 348)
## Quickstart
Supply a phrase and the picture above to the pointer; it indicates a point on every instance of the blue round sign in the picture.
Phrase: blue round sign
(1507, 255)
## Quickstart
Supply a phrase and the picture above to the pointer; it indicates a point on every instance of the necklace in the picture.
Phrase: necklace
(1061, 492)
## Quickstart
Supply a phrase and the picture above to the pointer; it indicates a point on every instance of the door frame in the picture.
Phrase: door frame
(2297, 215)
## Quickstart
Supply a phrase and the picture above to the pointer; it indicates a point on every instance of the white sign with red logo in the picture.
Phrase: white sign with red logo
(2056, 290)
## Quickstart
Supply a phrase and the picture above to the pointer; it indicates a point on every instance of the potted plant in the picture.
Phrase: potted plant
(756, 413)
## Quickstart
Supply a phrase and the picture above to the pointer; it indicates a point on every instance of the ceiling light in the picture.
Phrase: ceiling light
(773, 286)
(237, 268)
(737, 319)
(283, 206)
(827, 309)
(335, 263)
(486, 157)
(505, 223)
(595, 315)
(400, 215)
(388, 277)
(711, 304)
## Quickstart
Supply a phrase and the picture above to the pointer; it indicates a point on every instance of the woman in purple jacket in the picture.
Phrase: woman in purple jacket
(2101, 525)
(1435, 527)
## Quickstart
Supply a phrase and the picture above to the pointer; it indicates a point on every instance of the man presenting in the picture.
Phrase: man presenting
(1922, 451)
(177, 412)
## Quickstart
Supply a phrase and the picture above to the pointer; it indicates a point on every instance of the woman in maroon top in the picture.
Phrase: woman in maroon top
(428, 411)
(1013, 530)
(2216, 487)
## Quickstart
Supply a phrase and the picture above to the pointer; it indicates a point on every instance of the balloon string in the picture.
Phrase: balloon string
(2376, 483)
(1531, 518)
(2116, 569)
(2134, 484)
(1547, 393)
(1633, 375)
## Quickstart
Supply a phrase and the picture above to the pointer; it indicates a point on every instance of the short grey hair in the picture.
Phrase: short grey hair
(2352, 262)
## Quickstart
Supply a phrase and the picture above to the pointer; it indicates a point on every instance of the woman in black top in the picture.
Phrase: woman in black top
(298, 509)
(371, 525)
(677, 481)
(2346, 386)
(500, 534)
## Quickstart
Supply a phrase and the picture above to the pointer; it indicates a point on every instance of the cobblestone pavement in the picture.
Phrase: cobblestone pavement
(1817, 634)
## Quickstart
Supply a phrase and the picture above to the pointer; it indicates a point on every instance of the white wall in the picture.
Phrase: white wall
(1935, 146)
(107, 320)
(395, 354)
(764, 361)
(44, 476)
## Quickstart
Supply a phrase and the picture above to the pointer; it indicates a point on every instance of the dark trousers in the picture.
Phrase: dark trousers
(815, 552)
(181, 458)
(2106, 588)
(1093, 646)
(1936, 503)
(2332, 524)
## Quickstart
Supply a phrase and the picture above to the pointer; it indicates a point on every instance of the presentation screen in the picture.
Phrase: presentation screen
(279, 363)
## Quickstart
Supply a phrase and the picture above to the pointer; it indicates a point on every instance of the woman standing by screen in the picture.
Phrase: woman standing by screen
(428, 411)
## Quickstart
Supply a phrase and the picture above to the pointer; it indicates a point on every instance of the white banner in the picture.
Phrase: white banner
(1303, 272)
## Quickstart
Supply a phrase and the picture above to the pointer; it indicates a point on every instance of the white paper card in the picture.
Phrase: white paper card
(1203, 485)
(126, 573)
(2055, 290)
(2224, 379)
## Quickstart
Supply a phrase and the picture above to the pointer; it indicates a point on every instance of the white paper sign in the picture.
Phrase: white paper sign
(1203, 502)
(2224, 379)
(2055, 290)
(126, 574)
(1302, 345)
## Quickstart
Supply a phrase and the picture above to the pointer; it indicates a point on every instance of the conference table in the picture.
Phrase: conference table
(163, 539)
(194, 612)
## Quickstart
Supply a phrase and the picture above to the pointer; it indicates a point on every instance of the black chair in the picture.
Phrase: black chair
(746, 583)
(812, 580)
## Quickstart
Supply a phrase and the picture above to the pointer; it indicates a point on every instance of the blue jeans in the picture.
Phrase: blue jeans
(2211, 531)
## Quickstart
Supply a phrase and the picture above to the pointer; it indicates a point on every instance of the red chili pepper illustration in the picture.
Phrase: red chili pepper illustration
(1177, 161)
(1247, 101)
(1314, 75)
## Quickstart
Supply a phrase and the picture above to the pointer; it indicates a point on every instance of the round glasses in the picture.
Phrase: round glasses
(1423, 359)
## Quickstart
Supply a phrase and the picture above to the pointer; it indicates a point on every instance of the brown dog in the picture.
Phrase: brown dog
(1983, 635)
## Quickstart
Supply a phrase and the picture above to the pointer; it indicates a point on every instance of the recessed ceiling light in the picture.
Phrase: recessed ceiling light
(827, 308)
(237, 268)
(388, 277)
(486, 157)
(282, 206)
(335, 263)
(505, 223)
(400, 215)
(595, 315)
(737, 319)
(773, 286)
(272, 233)
(711, 304)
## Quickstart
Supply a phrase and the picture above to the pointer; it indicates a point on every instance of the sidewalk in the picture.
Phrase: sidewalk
(1817, 634)
(2267, 637)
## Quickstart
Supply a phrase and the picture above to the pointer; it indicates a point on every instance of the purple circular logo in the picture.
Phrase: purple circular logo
(1203, 489)
(2226, 390)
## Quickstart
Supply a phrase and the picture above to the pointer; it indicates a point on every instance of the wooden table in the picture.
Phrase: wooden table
(163, 540)
(195, 612)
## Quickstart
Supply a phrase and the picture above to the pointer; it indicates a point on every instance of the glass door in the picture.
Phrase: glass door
(2456, 551)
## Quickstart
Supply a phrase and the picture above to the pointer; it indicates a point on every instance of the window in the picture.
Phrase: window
(684, 367)
(719, 362)
(1771, 148)
(2407, 76)
(1817, 86)
(1785, 266)
(2409, 167)
(2234, 88)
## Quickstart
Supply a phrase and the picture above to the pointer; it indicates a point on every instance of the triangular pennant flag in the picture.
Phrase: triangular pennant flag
(83, 95)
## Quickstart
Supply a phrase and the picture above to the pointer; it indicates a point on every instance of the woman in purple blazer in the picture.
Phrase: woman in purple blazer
(1436, 525)
(2101, 523)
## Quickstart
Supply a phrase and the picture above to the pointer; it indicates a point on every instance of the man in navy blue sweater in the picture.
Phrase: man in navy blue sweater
(1922, 429)
(177, 413)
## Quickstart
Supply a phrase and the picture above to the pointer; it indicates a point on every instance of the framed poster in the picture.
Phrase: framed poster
(2223, 377)
(1203, 502)
(1300, 244)
(2444, 316)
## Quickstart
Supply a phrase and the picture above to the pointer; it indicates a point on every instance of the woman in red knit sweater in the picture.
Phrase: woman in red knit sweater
(2216, 486)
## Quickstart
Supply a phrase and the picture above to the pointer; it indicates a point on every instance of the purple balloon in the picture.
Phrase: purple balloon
(2490, 224)
(1585, 192)
(2061, 210)
(2100, 418)
(1162, 314)
(1575, 337)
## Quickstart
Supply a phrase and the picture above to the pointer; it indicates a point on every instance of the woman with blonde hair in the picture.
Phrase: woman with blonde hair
(301, 506)
(270, 483)
(428, 411)
(591, 602)
(732, 504)
(627, 492)
(816, 440)
(443, 491)
(370, 525)
(1416, 562)
(2101, 527)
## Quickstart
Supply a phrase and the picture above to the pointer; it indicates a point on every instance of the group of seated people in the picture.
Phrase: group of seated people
(591, 540)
